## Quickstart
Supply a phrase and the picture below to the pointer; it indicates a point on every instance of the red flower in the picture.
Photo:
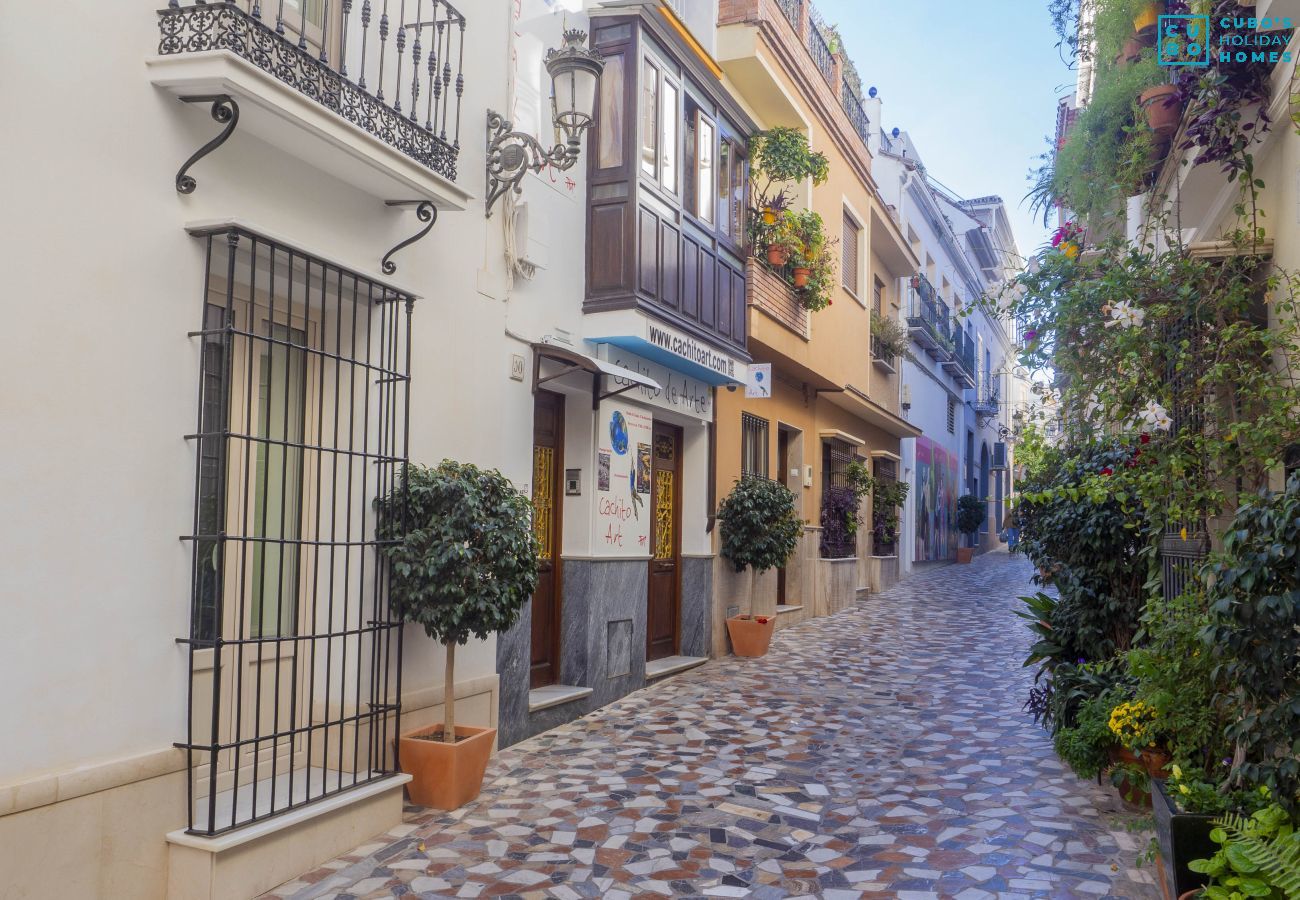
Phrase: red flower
(1144, 438)
(762, 620)
(1108, 471)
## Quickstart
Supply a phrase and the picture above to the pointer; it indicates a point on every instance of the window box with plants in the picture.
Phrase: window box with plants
(890, 342)
(462, 563)
(760, 530)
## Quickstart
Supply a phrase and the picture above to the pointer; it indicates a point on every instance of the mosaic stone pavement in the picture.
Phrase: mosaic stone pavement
(878, 752)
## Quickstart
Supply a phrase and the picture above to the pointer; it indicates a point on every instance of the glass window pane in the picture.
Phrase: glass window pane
(668, 138)
(277, 509)
(691, 181)
(738, 176)
(725, 220)
(609, 154)
(705, 167)
(649, 120)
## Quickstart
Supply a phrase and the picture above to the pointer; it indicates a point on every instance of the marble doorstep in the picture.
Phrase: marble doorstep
(554, 695)
(671, 665)
(882, 751)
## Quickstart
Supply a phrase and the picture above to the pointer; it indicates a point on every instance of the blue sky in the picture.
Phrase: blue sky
(976, 85)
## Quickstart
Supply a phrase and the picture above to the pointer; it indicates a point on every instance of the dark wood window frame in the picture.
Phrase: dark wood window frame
(648, 248)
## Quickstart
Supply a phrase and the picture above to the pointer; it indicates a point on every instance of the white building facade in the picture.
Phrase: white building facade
(275, 285)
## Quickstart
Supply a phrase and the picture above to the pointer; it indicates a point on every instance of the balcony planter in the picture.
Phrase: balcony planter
(965, 555)
(446, 776)
(751, 635)
(1162, 108)
(1182, 837)
(801, 274)
(1131, 52)
(778, 254)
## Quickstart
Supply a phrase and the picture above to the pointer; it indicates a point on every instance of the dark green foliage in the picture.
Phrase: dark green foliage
(464, 560)
(1254, 597)
(759, 525)
(1085, 745)
(972, 512)
(1092, 549)
(1259, 856)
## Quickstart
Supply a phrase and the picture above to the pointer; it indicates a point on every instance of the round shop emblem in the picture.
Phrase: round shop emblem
(618, 433)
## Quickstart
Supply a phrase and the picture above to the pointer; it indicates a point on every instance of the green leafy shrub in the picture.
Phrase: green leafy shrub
(972, 512)
(780, 156)
(463, 557)
(1254, 597)
(1085, 746)
(759, 525)
(1259, 856)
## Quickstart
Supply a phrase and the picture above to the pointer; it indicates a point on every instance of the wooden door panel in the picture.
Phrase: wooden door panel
(548, 454)
(665, 543)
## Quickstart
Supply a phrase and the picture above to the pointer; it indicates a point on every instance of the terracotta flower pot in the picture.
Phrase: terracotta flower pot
(1190, 894)
(446, 776)
(777, 255)
(965, 555)
(1131, 52)
(1157, 763)
(1162, 108)
(750, 635)
(801, 276)
(1129, 790)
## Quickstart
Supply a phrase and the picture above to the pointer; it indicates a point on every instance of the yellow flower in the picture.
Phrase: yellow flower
(1177, 772)
(1182, 532)
(1071, 250)
(1184, 789)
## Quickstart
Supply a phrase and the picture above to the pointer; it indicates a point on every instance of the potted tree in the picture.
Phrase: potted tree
(462, 562)
(779, 157)
(971, 514)
(759, 529)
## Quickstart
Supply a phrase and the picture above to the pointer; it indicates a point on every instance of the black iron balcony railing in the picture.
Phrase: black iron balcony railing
(927, 317)
(988, 403)
(791, 9)
(880, 355)
(819, 46)
(391, 67)
(856, 112)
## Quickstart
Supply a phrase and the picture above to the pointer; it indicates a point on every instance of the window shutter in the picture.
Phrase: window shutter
(849, 268)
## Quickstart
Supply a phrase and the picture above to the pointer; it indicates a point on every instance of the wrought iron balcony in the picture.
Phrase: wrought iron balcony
(927, 318)
(961, 362)
(390, 67)
(988, 403)
(857, 113)
(819, 45)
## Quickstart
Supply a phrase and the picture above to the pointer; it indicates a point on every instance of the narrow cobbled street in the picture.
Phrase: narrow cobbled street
(882, 751)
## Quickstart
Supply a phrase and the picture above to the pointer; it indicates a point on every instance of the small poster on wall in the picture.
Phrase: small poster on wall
(623, 473)
(602, 471)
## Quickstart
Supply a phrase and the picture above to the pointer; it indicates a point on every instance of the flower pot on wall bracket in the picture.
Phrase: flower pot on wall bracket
(801, 276)
(777, 255)
(1162, 107)
(751, 635)
(1131, 52)
(446, 776)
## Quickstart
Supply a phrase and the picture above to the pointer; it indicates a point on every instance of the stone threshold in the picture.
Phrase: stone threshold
(671, 665)
(787, 608)
(554, 695)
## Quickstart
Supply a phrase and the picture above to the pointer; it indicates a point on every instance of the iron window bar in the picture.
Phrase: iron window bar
(425, 82)
(754, 446)
(303, 414)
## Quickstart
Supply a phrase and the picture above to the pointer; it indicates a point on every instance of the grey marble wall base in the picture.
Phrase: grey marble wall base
(602, 643)
(697, 606)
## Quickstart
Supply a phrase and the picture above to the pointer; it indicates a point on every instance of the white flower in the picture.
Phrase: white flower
(1156, 416)
(1126, 314)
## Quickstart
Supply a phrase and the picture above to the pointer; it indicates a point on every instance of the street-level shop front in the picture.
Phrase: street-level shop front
(620, 488)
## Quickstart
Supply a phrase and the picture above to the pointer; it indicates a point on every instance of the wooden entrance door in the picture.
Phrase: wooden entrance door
(783, 476)
(665, 542)
(548, 455)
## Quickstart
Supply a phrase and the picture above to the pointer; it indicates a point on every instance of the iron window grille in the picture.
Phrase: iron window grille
(837, 454)
(391, 67)
(753, 446)
(295, 655)
(885, 470)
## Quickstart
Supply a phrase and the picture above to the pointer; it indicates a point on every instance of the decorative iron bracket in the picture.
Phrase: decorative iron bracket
(511, 154)
(425, 211)
(224, 110)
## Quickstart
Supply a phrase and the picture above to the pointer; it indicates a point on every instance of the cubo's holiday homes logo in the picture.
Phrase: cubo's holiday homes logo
(1198, 40)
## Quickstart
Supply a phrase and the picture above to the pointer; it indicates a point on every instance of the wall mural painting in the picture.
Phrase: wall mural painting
(936, 492)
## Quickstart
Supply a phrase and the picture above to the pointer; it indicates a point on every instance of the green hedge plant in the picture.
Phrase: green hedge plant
(463, 557)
